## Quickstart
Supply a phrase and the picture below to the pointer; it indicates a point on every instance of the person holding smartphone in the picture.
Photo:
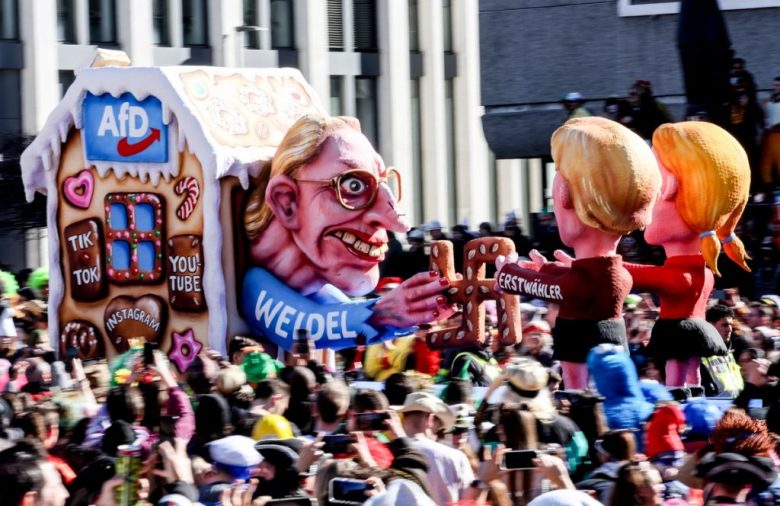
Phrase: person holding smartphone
(369, 415)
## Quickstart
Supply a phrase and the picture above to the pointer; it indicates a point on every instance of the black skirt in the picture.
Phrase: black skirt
(683, 339)
(573, 339)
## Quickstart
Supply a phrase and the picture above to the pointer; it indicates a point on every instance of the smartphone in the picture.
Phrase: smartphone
(167, 426)
(293, 501)
(149, 353)
(519, 459)
(348, 491)
(338, 444)
(371, 421)
(303, 341)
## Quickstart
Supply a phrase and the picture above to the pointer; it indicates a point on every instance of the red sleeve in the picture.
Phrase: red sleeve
(179, 405)
(654, 278)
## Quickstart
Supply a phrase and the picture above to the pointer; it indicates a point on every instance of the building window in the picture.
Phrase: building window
(134, 237)
(335, 25)
(414, 27)
(447, 24)
(336, 95)
(251, 39)
(66, 78)
(364, 25)
(161, 33)
(282, 24)
(195, 22)
(417, 163)
(449, 125)
(102, 22)
(9, 20)
(366, 107)
(66, 22)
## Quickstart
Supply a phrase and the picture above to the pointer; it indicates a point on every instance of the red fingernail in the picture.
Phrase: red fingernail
(435, 314)
(441, 300)
(433, 273)
(444, 282)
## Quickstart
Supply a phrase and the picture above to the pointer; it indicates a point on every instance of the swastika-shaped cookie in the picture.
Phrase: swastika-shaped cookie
(472, 291)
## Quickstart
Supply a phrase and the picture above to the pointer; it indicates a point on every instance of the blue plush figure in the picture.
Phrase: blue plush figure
(625, 406)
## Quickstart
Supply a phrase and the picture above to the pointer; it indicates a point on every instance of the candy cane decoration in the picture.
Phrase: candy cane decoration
(189, 187)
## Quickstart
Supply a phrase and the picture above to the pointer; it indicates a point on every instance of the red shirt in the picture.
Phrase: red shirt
(591, 289)
(683, 284)
(426, 361)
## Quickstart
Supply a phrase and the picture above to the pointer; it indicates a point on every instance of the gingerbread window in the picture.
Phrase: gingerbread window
(134, 238)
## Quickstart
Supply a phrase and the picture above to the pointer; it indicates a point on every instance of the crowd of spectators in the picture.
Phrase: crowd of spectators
(394, 423)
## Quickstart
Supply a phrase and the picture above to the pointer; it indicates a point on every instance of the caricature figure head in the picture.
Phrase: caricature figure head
(706, 184)
(607, 178)
(327, 201)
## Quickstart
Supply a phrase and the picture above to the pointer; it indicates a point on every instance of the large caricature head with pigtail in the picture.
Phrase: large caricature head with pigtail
(706, 183)
(607, 178)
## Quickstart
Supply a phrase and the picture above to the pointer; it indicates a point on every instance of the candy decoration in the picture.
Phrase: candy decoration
(127, 317)
(82, 337)
(189, 187)
(472, 291)
(184, 349)
(78, 189)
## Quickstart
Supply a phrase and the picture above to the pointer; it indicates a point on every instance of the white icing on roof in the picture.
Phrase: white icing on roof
(230, 119)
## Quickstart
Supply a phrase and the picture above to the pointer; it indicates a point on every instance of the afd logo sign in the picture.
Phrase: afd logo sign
(122, 129)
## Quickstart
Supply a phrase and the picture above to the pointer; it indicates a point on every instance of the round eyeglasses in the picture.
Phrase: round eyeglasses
(357, 188)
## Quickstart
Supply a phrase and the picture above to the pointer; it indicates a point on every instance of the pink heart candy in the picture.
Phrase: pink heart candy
(78, 189)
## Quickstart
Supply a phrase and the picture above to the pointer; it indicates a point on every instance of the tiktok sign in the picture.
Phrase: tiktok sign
(123, 129)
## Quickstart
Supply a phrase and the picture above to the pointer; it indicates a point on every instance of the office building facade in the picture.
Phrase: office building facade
(408, 69)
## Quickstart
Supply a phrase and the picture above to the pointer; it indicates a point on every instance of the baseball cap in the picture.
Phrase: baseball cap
(574, 96)
(235, 455)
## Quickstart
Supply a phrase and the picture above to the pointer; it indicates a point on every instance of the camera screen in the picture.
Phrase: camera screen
(522, 459)
(348, 491)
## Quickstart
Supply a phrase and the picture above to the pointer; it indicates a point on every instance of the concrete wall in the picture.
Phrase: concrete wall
(535, 51)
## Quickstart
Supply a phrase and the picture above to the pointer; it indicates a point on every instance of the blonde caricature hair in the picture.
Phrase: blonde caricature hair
(611, 173)
(713, 184)
(301, 145)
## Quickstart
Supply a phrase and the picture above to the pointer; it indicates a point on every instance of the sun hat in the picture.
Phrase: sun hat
(429, 403)
(525, 382)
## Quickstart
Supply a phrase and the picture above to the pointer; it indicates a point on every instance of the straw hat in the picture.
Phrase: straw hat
(429, 403)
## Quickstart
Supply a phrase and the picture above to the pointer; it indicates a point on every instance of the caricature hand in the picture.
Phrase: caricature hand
(502, 260)
(564, 259)
(419, 299)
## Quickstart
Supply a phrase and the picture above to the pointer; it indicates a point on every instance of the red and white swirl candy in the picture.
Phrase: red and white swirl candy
(189, 187)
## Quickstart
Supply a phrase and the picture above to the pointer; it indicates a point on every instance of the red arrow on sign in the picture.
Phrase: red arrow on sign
(124, 148)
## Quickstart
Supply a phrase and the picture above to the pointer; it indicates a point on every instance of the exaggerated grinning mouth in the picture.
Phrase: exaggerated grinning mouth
(363, 248)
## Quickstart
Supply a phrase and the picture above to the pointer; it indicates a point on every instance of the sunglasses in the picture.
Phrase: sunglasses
(356, 189)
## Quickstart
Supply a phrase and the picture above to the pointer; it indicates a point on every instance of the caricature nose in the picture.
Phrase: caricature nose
(384, 211)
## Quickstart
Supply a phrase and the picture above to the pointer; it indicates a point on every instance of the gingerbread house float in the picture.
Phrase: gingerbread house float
(144, 170)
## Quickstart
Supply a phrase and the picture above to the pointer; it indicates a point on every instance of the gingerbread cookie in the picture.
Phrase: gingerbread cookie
(128, 317)
(84, 337)
(84, 248)
(472, 291)
(185, 273)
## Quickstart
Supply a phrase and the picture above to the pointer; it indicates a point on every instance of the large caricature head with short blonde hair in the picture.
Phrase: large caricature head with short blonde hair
(606, 173)
(323, 208)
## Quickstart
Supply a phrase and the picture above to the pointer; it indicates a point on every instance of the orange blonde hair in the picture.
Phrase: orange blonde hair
(713, 184)
(611, 173)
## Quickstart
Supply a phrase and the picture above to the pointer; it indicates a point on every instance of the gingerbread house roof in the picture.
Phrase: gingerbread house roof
(232, 120)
